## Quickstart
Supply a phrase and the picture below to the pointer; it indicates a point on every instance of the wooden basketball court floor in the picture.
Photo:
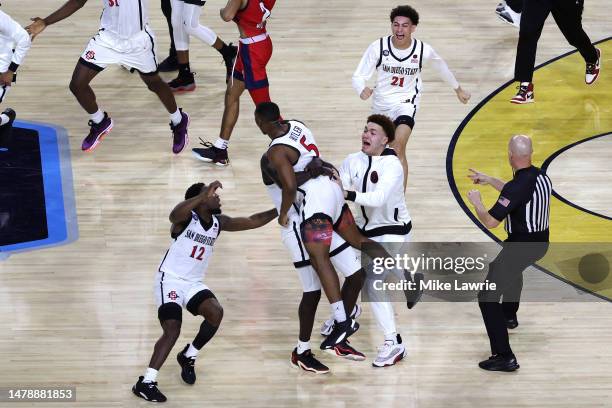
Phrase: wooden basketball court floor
(84, 314)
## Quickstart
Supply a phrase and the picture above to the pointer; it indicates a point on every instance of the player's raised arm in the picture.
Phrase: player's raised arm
(430, 55)
(246, 223)
(280, 158)
(182, 212)
(68, 9)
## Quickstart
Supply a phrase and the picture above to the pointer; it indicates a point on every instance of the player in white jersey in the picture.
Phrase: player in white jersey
(372, 179)
(343, 257)
(124, 38)
(196, 224)
(14, 44)
(186, 24)
(398, 60)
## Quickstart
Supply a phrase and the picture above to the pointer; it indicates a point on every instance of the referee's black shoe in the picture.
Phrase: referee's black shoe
(500, 363)
(512, 323)
(413, 296)
(187, 370)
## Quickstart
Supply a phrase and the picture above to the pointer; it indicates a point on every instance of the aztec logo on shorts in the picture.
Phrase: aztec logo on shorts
(90, 55)
(172, 295)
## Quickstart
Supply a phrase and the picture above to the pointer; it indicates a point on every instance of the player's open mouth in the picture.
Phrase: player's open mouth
(365, 143)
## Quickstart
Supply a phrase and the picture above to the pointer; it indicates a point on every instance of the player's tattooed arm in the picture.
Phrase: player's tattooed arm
(247, 223)
(68, 9)
(182, 212)
(231, 8)
(281, 158)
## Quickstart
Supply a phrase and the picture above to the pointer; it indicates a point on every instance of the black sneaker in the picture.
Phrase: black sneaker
(341, 331)
(413, 296)
(187, 371)
(307, 362)
(512, 323)
(211, 154)
(11, 115)
(500, 363)
(184, 82)
(148, 391)
(229, 59)
(345, 350)
(169, 64)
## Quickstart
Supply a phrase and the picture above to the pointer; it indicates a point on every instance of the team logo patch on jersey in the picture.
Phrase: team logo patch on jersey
(90, 55)
(386, 53)
(374, 177)
(172, 295)
(503, 201)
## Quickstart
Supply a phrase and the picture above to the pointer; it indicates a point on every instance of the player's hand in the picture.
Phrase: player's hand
(462, 95)
(283, 219)
(6, 78)
(366, 93)
(336, 179)
(212, 189)
(478, 177)
(36, 27)
(474, 197)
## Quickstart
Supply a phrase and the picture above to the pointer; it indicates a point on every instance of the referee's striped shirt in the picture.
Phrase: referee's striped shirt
(524, 203)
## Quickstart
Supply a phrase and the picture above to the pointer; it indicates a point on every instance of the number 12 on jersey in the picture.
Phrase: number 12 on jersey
(200, 252)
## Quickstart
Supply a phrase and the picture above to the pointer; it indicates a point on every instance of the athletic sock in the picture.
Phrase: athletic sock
(150, 375)
(302, 346)
(392, 337)
(221, 143)
(225, 50)
(97, 117)
(338, 311)
(191, 352)
(176, 117)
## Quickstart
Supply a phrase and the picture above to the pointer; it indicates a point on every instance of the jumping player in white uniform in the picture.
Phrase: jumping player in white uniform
(14, 44)
(372, 179)
(343, 257)
(124, 38)
(398, 60)
(196, 224)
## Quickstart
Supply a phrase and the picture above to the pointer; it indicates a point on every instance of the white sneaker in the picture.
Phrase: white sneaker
(500, 7)
(390, 353)
(328, 325)
(508, 15)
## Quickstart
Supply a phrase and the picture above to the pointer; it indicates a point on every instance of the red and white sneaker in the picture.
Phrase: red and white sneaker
(307, 362)
(592, 70)
(524, 94)
(345, 350)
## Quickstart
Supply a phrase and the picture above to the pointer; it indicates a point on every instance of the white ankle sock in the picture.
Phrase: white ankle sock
(150, 375)
(338, 311)
(302, 346)
(4, 119)
(191, 352)
(391, 337)
(221, 143)
(176, 117)
(97, 117)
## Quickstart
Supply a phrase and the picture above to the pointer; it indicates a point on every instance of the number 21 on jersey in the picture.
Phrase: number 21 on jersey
(397, 81)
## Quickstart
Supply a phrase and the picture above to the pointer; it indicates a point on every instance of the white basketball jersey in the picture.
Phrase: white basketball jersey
(301, 139)
(188, 256)
(124, 17)
(399, 73)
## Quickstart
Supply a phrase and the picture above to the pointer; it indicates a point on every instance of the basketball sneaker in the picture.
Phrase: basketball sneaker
(148, 391)
(500, 363)
(229, 59)
(345, 350)
(525, 94)
(211, 154)
(390, 353)
(413, 296)
(592, 70)
(328, 325)
(97, 131)
(11, 115)
(184, 82)
(180, 137)
(341, 331)
(169, 64)
(507, 15)
(187, 371)
(307, 362)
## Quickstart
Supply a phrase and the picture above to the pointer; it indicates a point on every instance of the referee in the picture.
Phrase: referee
(568, 16)
(524, 203)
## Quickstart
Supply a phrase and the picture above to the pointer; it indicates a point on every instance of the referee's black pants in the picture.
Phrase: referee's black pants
(506, 271)
(567, 15)
(166, 7)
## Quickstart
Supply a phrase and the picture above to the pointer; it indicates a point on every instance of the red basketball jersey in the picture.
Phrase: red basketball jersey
(252, 19)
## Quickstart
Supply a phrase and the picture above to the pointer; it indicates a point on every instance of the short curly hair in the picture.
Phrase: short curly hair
(193, 190)
(405, 11)
(386, 123)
